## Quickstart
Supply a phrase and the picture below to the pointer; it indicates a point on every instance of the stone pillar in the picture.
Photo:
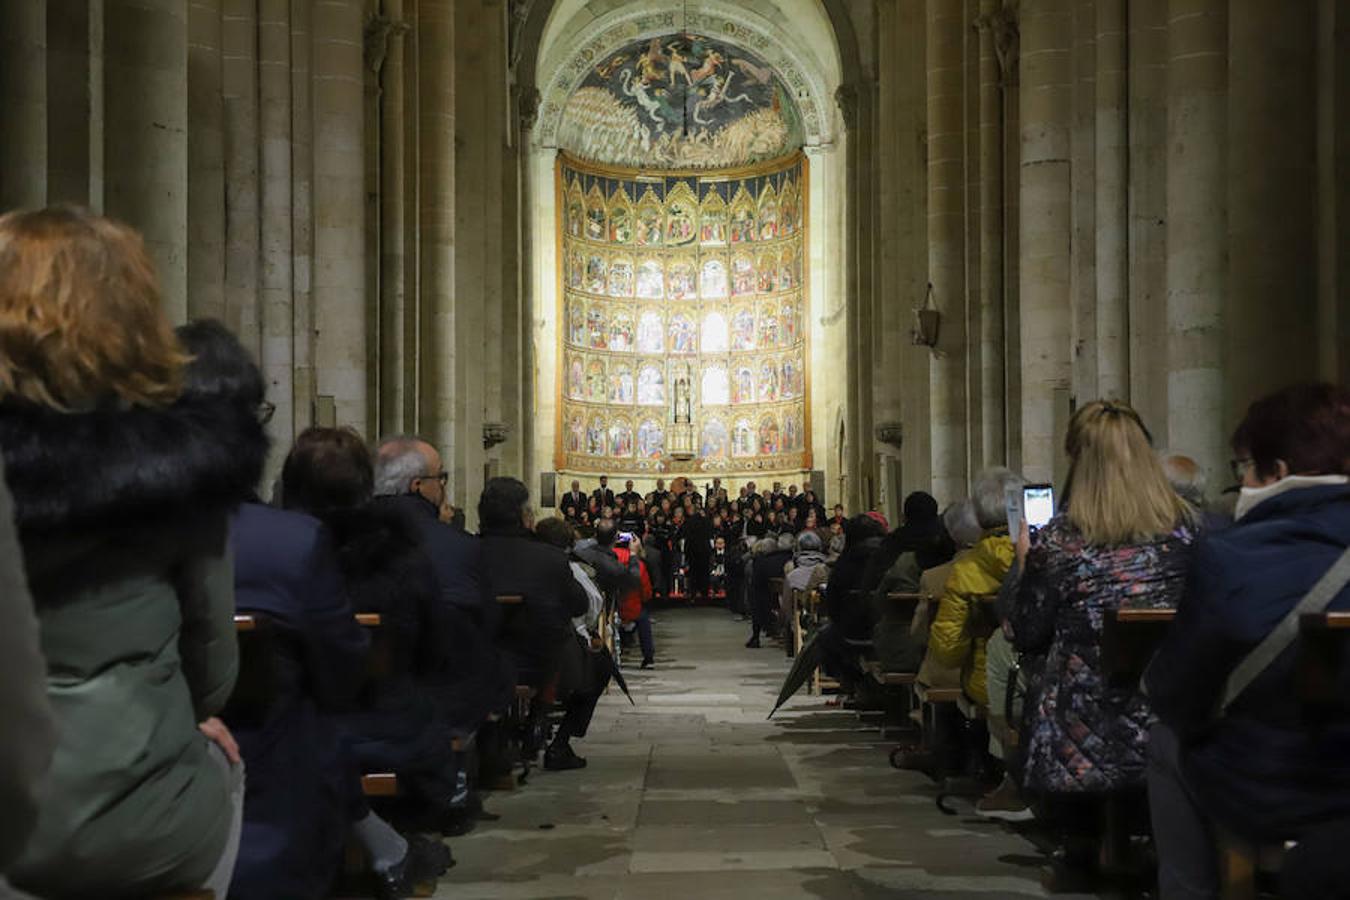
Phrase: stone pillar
(435, 39)
(1197, 72)
(23, 104)
(303, 392)
(395, 351)
(1147, 276)
(1271, 294)
(947, 246)
(276, 277)
(1111, 213)
(69, 101)
(1333, 190)
(341, 353)
(206, 163)
(528, 111)
(1083, 166)
(997, 30)
(1045, 230)
(239, 83)
(145, 132)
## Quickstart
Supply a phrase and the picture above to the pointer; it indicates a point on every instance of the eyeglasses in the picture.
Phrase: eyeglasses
(265, 411)
(1239, 467)
(442, 477)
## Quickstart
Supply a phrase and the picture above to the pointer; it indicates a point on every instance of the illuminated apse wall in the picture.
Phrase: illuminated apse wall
(682, 311)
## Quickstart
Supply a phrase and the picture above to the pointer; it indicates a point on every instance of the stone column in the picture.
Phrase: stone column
(947, 246)
(302, 220)
(239, 81)
(435, 33)
(1147, 281)
(341, 353)
(395, 351)
(277, 277)
(997, 31)
(1197, 72)
(1045, 231)
(69, 100)
(23, 104)
(206, 163)
(1083, 240)
(1271, 328)
(145, 132)
(1112, 220)
(1333, 190)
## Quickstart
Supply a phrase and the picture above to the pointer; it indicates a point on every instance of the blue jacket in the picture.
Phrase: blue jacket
(300, 784)
(1260, 770)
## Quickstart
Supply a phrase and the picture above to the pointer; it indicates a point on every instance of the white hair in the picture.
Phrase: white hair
(398, 460)
(1186, 476)
(961, 524)
(989, 495)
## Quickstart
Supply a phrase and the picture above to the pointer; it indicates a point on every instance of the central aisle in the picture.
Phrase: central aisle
(692, 794)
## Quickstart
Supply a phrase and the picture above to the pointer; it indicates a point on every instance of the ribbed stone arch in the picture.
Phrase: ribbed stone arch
(578, 34)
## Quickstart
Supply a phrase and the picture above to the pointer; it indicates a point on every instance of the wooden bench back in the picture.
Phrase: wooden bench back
(1130, 637)
(1322, 673)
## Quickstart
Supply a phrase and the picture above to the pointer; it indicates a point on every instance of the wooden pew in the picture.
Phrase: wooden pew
(1129, 640)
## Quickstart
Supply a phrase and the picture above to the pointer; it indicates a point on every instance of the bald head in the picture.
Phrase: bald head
(400, 461)
(1186, 476)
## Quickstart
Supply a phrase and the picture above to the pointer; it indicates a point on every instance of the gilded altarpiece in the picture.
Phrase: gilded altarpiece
(683, 298)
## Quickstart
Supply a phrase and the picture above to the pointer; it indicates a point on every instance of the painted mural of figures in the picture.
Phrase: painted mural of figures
(576, 323)
(743, 439)
(742, 224)
(768, 274)
(681, 334)
(768, 221)
(714, 333)
(787, 220)
(681, 281)
(595, 328)
(790, 322)
(768, 328)
(787, 275)
(677, 66)
(576, 269)
(595, 274)
(718, 94)
(650, 280)
(743, 330)
(651, 102)
(621, 224)
(683, 408)
(621, 385)
(574, 217)
(713, 231)
(621, 277)
(595, 221)
(768, 436)
(576, 434)
(716, 387)
(712, 442)
(714, 280)
(649, 225)
(743, 387)
(711, 63)
(792, 433)
(651, 440)
(768, 381)
(620, 438)
(649, 63)
(621, 331)
(757, 74)
(576, 380)
(651, 386)
(679, 224)
(798, 377)
(597, 386)
(651, 337)
(789, 383)
(742, 276)
(595, 437)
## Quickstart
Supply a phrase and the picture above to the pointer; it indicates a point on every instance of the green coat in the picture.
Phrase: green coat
(137, 629)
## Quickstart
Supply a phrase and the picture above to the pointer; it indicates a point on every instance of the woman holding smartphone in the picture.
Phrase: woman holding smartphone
(1123, 539)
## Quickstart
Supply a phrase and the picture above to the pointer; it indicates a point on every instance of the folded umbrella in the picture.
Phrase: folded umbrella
(807, 660)
(617, 675)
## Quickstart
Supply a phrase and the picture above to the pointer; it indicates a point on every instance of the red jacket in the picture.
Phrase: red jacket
(630, 604)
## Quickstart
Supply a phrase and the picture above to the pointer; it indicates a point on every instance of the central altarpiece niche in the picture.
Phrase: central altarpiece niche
(683, 310)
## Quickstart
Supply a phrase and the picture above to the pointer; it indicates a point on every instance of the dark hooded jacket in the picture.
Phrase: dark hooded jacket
(122, 515)
(851, 612)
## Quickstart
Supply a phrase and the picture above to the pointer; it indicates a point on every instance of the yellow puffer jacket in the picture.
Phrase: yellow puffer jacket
(952, 639)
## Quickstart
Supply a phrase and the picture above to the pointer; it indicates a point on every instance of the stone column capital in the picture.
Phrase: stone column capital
(494, 433)
(891, 433)
(846, 96)
(527, 106)
(1001, 24)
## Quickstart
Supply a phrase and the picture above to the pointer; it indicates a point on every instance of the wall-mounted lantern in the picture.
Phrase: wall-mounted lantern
(928, 320)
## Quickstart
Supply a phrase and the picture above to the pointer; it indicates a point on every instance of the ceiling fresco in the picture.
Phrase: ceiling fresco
(683, 101)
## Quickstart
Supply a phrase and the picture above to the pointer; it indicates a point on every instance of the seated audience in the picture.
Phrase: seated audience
(1251, 762)
(806, 571)
(538, 636)
(848, 611)
(1188, 480)
(122, 492)
(956, 638)
(618, 579)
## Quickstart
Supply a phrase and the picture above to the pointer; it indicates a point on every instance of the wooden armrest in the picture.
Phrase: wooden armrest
(1329, 621)
(370, 620)
(380, 784)
(942, 695)
(1129, 616)
(245, 623)
(510, 599)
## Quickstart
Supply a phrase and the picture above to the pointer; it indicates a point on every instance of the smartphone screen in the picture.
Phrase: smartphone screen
(1038, 502)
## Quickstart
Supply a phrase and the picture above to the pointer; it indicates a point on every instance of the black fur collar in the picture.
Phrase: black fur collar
(116, 468)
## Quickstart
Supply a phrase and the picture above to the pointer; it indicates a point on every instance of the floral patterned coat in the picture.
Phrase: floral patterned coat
(1085, 737)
